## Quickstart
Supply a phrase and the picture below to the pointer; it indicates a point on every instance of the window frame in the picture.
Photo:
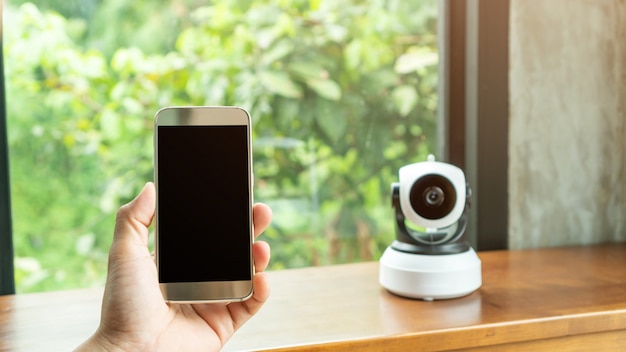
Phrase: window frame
(473, 115)
(7, 273)
(474, 110)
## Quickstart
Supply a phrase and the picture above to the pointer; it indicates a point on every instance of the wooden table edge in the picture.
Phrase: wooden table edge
(479, 335)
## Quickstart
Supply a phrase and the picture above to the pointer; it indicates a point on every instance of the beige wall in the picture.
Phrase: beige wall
(567, 152)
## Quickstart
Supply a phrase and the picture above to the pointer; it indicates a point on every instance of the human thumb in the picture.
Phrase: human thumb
(134, 218)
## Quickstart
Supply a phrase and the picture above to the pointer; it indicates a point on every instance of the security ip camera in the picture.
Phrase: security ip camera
(430, 258)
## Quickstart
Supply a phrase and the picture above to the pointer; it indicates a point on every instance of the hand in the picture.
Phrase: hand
(134, 314)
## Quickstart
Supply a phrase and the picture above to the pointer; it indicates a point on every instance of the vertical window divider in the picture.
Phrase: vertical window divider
(474, 110)
(7, 275)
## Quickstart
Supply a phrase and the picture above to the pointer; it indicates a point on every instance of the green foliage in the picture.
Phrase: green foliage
(342, 93)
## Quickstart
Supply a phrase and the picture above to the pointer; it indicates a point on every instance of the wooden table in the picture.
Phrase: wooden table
(566, 298)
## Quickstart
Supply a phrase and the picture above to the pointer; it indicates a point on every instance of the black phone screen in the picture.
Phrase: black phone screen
(203, 202)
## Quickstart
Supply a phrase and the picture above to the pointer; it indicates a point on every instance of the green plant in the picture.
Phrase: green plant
(342, 93)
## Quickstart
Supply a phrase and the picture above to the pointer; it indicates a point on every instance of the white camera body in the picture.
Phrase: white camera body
(430, 258)
(411, 174)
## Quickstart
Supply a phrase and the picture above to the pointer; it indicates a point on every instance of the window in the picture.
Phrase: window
(342, 93)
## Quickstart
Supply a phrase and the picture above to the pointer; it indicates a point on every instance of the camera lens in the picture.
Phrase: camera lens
(432, 196)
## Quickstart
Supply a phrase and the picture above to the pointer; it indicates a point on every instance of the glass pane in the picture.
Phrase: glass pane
(342, 93)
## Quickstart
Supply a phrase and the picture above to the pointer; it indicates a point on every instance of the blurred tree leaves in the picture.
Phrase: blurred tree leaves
(342, 93)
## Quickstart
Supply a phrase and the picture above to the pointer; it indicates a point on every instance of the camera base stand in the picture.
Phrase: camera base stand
(430, 277)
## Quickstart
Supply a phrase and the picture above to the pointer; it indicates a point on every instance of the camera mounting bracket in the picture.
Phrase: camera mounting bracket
(407, 237)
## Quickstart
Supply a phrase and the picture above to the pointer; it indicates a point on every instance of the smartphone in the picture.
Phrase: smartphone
(203, 227)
